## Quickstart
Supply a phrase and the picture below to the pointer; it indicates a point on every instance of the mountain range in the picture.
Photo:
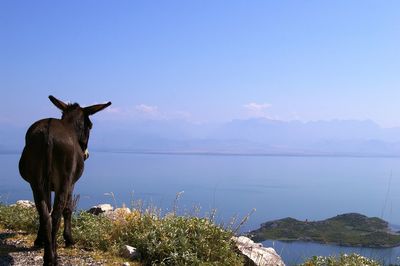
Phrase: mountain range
(247, 136)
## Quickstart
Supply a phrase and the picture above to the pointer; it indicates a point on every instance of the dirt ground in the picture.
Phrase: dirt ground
(16, 249)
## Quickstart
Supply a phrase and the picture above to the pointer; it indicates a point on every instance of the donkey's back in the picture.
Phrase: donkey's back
(51, 151)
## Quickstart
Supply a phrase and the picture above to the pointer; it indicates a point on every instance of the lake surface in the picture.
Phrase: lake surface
(312, 188)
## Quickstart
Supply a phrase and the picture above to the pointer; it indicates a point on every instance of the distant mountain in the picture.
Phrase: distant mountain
(249, 136)
(350, 137)
(275, 131)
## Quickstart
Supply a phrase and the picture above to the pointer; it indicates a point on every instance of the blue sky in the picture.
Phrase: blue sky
(202, 60)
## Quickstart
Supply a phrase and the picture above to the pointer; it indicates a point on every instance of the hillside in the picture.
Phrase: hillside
(351, 229)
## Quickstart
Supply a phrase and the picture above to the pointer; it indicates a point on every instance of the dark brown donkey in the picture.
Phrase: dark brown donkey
(53, 160)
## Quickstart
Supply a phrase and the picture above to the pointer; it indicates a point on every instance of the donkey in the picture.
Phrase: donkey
(53, 160)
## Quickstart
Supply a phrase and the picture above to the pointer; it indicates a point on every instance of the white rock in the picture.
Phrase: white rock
(256, 253)
(101, 208)
(125, 264)
(130, 252)
(25, 204)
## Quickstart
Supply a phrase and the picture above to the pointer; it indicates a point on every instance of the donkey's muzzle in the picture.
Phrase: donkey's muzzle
(86, 154)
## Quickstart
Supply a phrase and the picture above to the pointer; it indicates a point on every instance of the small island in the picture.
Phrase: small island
(350, 229)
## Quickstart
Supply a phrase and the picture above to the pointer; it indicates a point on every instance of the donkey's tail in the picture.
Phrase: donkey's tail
(48, 159)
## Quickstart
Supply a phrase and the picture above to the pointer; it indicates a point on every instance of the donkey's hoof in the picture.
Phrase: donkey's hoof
(38, 243)
(50, 263)
(69, 244)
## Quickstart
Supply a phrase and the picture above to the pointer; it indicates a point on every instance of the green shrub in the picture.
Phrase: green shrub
(92, 232)
(19, 218)
(343, 260)
(176, 240)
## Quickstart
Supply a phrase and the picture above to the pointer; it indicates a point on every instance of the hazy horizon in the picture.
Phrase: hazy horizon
(239, 136)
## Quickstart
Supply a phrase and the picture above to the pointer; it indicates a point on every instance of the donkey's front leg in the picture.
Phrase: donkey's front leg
(60, 200)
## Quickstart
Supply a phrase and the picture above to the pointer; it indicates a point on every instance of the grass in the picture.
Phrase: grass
(19, 218)
(161, 239)
(342, 260)
(27, 239)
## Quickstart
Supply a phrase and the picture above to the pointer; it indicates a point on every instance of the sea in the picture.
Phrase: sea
(236, 189)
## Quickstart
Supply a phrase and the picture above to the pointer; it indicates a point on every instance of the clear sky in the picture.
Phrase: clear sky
(203, 60)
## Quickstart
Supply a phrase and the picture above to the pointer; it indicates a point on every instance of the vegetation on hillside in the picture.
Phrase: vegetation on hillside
(350, 229)
(343, 260)
(161, 240)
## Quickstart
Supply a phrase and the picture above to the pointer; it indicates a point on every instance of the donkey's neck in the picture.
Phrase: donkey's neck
(77, 126)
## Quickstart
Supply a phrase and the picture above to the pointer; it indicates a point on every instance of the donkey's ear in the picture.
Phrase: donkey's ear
(91, 110)
(60, 104)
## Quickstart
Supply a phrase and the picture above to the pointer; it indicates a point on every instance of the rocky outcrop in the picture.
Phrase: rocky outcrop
(24, 204)
(256, 254)
(101, 208)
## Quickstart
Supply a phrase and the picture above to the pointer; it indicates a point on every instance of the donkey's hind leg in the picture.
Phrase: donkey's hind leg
(39, 242)
(60, 200)
(40, 196)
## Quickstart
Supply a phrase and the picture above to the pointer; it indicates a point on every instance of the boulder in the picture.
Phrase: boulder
(25, 204)
(130, 252)
(101, 208)
(256, 254)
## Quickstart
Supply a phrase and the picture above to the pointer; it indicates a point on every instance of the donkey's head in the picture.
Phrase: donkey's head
(78, 117)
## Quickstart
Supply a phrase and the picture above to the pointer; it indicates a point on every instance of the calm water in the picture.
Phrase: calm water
(310, 188)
